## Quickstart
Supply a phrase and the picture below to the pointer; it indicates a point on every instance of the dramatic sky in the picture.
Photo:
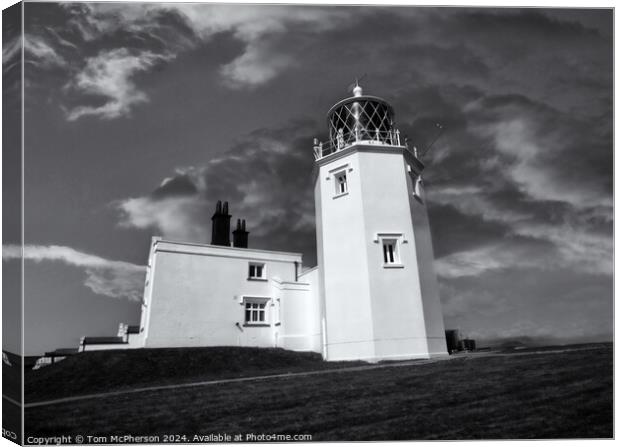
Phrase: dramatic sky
(138, 118)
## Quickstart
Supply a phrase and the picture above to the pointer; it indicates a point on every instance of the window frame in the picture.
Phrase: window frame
(340, 191)
(334, 175)
(254, 306)
(390, 251)
(252, 265)
(396, 240)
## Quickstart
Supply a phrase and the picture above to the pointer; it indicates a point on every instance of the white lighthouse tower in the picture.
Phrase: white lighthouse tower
(378, 287)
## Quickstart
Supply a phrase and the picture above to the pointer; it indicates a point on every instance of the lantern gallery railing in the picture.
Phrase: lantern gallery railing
(344, 140)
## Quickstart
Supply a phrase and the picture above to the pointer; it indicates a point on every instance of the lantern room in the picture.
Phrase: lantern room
(359, 119)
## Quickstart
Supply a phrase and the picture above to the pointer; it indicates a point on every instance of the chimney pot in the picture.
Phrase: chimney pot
(240, 236)
(220, 225)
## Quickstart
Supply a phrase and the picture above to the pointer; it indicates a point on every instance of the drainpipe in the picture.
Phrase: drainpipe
(296, 271)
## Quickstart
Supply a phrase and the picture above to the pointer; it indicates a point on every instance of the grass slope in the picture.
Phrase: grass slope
(101, 371)
(551, 395)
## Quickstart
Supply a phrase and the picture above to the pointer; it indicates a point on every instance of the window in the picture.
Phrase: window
(339, 176)
(341, 182)
(255, 311)
(390, 244)
(256, 271)
(390, 253)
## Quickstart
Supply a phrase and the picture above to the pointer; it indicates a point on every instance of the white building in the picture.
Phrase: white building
(373, 295)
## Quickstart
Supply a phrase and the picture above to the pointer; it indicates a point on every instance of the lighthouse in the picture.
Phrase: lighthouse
(378, 289)
(373, 295)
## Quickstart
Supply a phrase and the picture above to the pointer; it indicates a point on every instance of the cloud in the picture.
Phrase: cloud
(96, 20)
(109, 76)
(517, 169)
(11, 52)
(512, 252)
(38, 52)
(109, 73)
(182, 184)
(115, 279)
(555, 301)
(277, 39)
(457, 302)
(255, 67)
(472, 262)
(177, 208)
(265, 176)
(534, 141)
(177, 218)
(259, 28)
(61, 40)
(262, 29)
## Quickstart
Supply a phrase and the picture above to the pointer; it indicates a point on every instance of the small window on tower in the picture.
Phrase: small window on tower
(257, 271)
(390, 253)
(390, 249)
(341, 183)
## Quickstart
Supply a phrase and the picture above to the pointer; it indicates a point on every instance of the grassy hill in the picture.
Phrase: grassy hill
(566, 394)
(101, 371)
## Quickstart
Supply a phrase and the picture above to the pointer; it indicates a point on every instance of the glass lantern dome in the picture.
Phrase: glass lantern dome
(359, 119)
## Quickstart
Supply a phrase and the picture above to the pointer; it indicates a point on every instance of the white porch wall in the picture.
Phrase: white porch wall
(301, 324)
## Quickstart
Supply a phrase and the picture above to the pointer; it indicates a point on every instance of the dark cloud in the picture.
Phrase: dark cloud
(454, 231)
(180, 185)
(265, 177)
(529, 23)
(564, 304)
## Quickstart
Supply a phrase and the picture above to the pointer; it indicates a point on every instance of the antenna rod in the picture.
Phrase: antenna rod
(357, 82)
(433, 142)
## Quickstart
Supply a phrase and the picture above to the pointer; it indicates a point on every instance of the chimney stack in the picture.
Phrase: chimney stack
(240, 235)
(220, 225)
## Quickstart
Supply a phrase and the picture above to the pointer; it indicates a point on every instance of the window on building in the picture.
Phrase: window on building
(339, 176)
(390, 244)
(256, 271)
(255, 310)
(390, 251)
(341, 183)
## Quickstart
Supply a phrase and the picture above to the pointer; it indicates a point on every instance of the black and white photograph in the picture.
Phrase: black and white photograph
(229, 222)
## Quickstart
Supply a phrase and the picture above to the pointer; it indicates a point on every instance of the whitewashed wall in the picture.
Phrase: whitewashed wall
(373, 312)
(301, 313)
(197, 295)
(343, 261)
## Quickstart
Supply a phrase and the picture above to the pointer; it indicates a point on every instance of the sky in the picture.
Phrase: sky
(139, 117)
